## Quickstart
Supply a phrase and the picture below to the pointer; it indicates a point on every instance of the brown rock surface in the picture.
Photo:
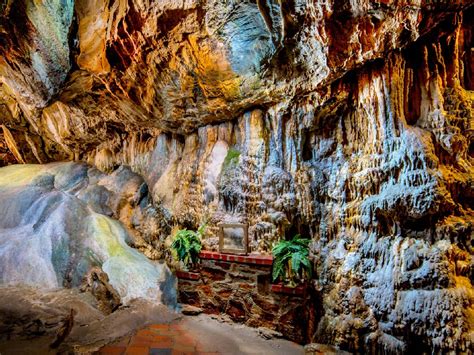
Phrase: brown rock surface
(97, 283)
(191, 310)
(31, 318)
(350, 122)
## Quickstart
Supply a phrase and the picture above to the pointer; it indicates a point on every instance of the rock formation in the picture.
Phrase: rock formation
(97, 283)
(32, 318)
(55, 227)
(350, 122)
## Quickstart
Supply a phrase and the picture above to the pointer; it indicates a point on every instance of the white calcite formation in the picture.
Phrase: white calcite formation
(56, 225)
(349, 122)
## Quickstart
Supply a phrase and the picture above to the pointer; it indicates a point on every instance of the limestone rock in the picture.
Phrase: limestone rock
(191, 310)
(84, 73)
(97, 283)
(317, 349)
(350, 122)
(269, 333)
(55, 229)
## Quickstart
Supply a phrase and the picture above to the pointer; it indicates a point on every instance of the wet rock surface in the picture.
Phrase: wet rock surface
(350, 122)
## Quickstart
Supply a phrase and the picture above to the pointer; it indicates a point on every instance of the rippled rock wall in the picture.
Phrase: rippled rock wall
(56, 225)
(348, 122)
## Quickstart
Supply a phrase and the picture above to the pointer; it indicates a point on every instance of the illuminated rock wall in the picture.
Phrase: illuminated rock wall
(348, 122)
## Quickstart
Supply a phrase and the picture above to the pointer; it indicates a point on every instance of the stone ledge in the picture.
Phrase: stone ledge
(187, 275)
(243, 259)
(296, 291)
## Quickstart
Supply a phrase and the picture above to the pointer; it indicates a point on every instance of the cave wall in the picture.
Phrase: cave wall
(79, 75)
(380, 176)
(348, 122)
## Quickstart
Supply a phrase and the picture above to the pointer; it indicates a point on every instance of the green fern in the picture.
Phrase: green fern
(187, 245)
(291, 260)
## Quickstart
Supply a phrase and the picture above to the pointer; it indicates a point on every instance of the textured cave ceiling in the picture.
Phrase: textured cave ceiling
(77, 74)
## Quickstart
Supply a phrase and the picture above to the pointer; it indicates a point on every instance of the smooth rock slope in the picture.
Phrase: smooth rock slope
(53, 230)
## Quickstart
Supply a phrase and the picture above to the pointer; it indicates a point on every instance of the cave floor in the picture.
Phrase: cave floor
(201, 334)
(31, 319)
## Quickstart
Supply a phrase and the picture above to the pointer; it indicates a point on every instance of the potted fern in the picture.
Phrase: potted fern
(187, 246)
(291, 262)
